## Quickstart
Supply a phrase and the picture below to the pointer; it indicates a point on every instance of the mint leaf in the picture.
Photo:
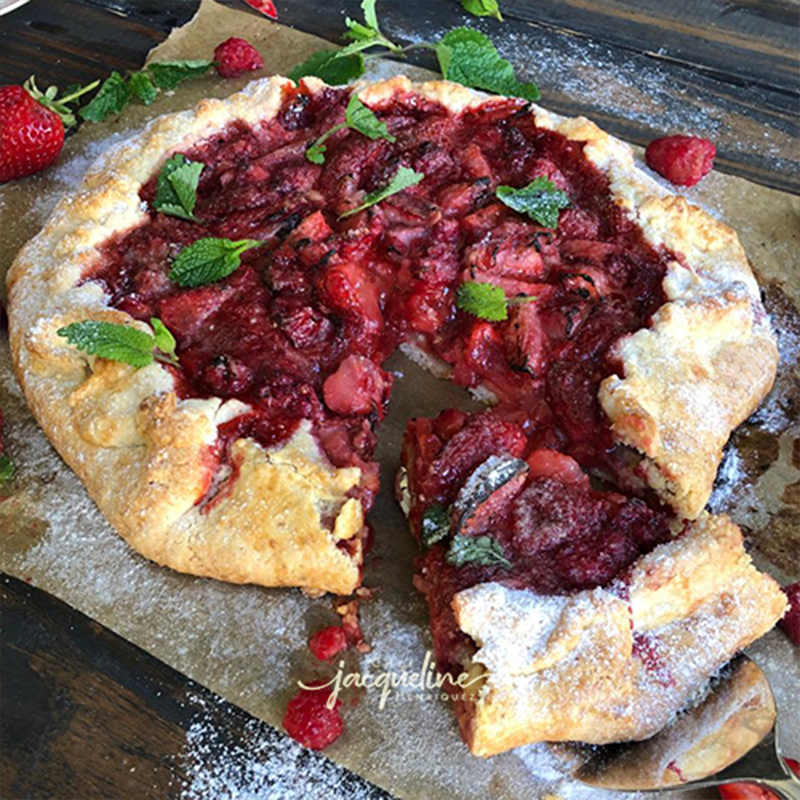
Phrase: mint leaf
(209, 260)
(358, 118)
(176, 187)
(7, 469)
(483, 300)
(403, 178)
(111, 98)
(142, 87)
(468, 57)
(316, 153)
(362, 119)
(483, 8)
(435, 525)
(168, 74)
(540, 200)
(164, 340)
(330, 66)
(111, 341)
(484, 550)
(370, 13)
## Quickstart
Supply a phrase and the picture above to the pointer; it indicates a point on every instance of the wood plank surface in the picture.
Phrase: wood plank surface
(726, 69)
(87, 715)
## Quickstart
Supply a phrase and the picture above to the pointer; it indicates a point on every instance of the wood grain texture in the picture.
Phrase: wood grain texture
(87, 715)
(726, 69)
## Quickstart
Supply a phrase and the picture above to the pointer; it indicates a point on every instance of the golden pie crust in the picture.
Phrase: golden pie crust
(558, 668)
(565, 668)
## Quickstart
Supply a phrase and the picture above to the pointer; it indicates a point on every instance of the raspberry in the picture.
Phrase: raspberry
(325, 644)
(791, 619)
(309, 721)
(682, 160)
(235, 56)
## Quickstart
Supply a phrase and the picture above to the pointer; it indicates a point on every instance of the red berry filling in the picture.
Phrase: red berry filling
(300, 330)
(309, 721)
(682, 160)
(557, 533)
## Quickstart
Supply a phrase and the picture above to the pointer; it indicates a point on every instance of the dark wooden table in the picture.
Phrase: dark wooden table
(84, 714)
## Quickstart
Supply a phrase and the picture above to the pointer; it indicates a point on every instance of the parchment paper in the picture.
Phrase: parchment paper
(249, 644)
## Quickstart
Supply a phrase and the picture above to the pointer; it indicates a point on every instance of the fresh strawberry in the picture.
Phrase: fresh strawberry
(32, 125)
(235, 56)
(791, 619)
(682, 160)
(745, 791)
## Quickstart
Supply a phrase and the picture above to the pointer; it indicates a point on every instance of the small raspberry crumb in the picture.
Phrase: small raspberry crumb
(235, 56)
(791, 619)
(682, 160)
(325, 644)
(309, 721)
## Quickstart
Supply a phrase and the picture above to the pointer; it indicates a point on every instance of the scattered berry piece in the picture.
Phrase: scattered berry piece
(791, 619)
(32, 125)
(235, 56)
(309, 721)
(328, 642)
(266, 7)
(682, 160)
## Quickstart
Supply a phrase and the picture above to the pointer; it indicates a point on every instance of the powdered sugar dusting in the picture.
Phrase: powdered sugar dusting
(263, 764)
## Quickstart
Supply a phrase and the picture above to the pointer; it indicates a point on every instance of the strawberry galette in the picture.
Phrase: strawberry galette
(200, 331)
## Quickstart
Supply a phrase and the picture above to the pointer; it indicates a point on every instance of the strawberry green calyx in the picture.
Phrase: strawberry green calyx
(58, 105)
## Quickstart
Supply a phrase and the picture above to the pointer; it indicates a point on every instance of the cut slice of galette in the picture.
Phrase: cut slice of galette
(578, 614)
(200, 330)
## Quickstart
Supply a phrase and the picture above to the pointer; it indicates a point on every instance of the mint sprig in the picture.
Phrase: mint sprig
(367, 34)
(330, 66)
(209, 260)
(403, 178)
(168, 74)
(176, 187)
(435, 524)
(111, 98)
(358, 118)
(540, 200)
(121, 342)
(142, 87)
(483, 8)
(483, 550)
(468, 57)
(487, 301)
(116, 91)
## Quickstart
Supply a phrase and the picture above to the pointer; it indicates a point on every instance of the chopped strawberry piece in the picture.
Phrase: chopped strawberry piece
(552, 464)
(358, 387)
(308, 719)
(791, 619)
(235, 57)
(351, 291)
(328, 642)
(682, 160)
